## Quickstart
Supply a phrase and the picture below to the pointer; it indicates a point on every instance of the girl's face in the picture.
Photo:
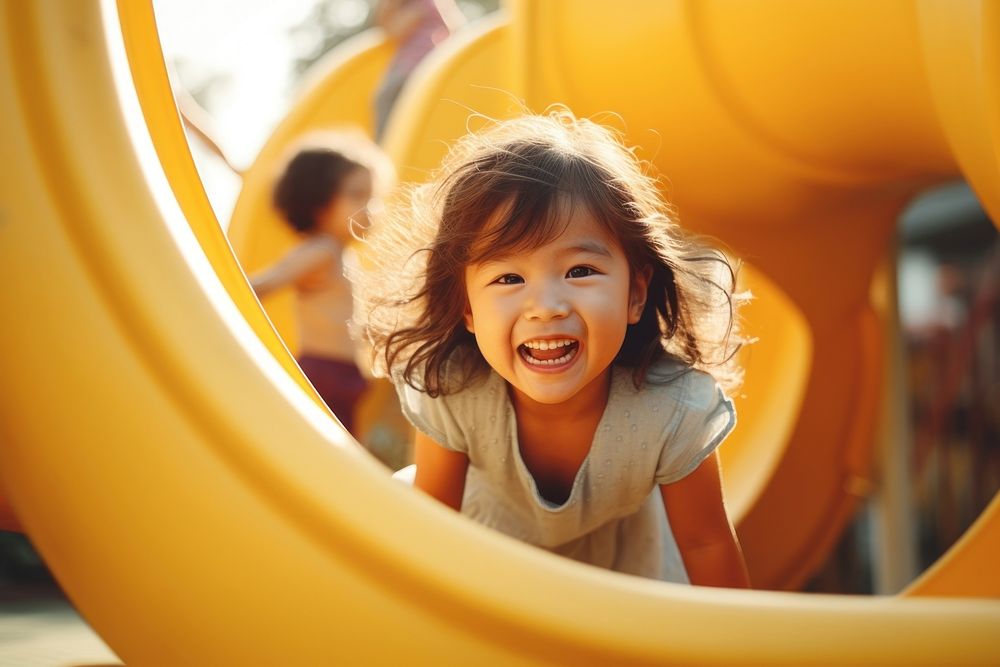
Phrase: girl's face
(351, 203)
(551, 320)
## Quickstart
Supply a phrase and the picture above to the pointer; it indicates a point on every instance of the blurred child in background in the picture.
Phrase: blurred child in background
(418, 26)
(324, 192)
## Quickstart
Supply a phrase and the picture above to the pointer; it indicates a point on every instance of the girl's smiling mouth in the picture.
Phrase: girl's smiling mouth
(549, 353)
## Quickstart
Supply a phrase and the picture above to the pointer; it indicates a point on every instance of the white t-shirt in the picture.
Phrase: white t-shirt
(614, 516)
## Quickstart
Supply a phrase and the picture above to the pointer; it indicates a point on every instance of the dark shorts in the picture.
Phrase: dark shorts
(339, 383)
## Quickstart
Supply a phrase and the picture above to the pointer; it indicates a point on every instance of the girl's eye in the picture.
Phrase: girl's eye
(580, 272)
(509, 279)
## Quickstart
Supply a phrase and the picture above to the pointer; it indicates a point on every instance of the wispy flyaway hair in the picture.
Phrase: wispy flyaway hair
(513, 186)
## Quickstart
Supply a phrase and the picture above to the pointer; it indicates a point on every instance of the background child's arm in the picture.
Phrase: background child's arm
(706, 538)
(301, 261)
(398, 18)
(440, 471)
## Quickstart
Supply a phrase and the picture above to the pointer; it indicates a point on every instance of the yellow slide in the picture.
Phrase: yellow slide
(794, 477)
(799, 157)
(197, 506)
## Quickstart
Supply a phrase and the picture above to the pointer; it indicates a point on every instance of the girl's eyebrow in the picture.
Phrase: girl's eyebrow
(583, 247)
(587, 247)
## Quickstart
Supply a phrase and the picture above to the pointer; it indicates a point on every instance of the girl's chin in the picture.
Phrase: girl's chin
(548, 392)
(546, 399)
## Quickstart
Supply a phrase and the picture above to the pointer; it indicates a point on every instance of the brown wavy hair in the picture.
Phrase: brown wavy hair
(314, 170)
(514, 186)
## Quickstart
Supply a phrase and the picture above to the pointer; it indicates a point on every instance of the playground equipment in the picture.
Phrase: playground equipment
(351, 73)
(794, 476)
(197, 506)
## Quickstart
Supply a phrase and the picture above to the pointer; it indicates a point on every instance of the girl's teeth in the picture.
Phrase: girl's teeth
(547, 344)
(550, 362)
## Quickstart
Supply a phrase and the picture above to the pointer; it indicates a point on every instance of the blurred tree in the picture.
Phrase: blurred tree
(330, 22)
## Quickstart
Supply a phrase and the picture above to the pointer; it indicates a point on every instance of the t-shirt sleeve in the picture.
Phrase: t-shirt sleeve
(435, 417)
(705, 418)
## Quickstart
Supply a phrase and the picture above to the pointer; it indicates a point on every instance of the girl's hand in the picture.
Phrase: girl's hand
(708, 544)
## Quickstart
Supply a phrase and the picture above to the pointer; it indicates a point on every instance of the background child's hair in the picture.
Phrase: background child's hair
(514, 186)
(314, 174)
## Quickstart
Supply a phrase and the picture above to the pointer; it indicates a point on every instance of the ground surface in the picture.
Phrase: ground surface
(40, 628)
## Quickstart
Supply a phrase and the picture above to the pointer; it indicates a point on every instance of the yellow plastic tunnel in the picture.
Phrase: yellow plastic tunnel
(199, 507)
(809, 199)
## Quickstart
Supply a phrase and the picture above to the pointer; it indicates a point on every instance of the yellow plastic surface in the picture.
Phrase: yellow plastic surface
(765, 149)
(967, 568)
(156, 98)
(198, 507)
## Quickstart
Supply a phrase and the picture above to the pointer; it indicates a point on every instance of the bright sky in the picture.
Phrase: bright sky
(247, 43)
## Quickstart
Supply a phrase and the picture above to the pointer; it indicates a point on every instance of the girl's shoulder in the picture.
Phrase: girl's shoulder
(453, 418)
(321, 244)
(676, 397)
(684, 410)
(314, 251)
(675, 380)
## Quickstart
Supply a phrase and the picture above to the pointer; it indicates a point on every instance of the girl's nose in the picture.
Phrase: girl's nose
(547, 304)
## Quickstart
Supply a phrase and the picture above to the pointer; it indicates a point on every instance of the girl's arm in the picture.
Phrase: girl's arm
(293, 267)
(706, 538)
(398, 18)
(440, 471)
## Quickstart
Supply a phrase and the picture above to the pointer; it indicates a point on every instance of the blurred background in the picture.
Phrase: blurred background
(948, 273)
(243, 62)
(239, 64)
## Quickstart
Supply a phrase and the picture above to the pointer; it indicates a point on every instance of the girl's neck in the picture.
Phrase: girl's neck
(555, 440)
(586, 405)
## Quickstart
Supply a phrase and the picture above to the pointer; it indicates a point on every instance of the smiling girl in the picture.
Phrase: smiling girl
(562, 348)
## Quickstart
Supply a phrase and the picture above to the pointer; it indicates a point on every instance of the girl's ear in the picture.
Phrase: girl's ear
(467, 316)
(637, 293)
